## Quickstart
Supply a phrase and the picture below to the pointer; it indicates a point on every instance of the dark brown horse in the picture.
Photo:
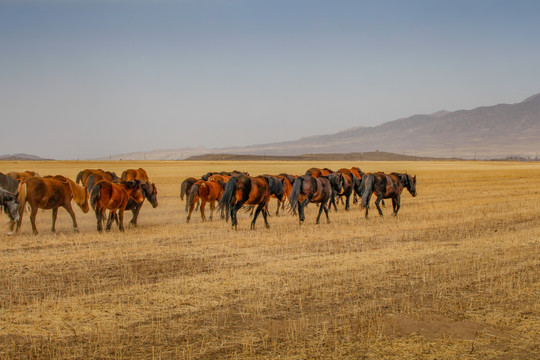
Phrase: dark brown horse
(348, 187)
(386, 186)
(106, 195)
(287, 180)
(185, 189)
(10, 203)
(308, 189)
(207, 191)
(50, 193)
(252, 191)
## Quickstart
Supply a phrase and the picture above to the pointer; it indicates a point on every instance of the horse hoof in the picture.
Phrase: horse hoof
(10, 233)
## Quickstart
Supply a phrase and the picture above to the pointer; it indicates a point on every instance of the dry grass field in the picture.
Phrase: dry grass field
(455, 276)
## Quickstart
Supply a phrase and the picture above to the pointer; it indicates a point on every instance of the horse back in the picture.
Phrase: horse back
(46, 193)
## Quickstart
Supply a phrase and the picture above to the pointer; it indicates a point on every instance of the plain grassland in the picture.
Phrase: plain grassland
(456, 275)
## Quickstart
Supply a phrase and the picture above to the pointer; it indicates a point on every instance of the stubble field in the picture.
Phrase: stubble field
(455, 275)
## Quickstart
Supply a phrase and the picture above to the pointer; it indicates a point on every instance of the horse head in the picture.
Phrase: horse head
(336, 181)
(150, 192)
(275, 186)
(11, 208)
(411, 184)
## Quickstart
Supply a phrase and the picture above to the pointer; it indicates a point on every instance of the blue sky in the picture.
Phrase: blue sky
(84, 79)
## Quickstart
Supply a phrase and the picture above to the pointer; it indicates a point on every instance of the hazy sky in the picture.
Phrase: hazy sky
(83, 79)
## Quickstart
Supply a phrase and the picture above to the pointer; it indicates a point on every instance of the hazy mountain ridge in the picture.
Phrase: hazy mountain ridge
(484, 132)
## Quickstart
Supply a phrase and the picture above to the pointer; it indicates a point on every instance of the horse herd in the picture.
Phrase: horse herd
(233, 190)
(104, 190)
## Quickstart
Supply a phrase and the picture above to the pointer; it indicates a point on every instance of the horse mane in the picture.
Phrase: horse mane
(275, 186)
(80, 195)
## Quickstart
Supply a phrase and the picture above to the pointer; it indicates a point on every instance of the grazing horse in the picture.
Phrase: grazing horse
(21, 175)
(254, 191)
(99, 174)
(207, 176)
(50, 193)
(357, 178)
(316, 172)
(287, 180)
(135, 174)
(386, 186)
(10, 203)
(185, 189)
(348, 186)
(107, 195)
(207, 191)
(319, 190)
(8, 183)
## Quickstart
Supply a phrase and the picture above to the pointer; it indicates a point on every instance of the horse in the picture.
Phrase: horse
(308, 189)
(347, 188)
(316, 172)
(185, 189)
(253, 191)
(8, 183)
(132, 174)
(10, 203)
(50, 193)
(99, 174)
(207, 191)
(357, 177)
(21, 175)
(386, 186)
(287, 180)
(107, 195)
(207, 176)
(149, 191)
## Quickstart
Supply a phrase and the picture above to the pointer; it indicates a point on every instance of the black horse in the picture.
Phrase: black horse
(308, 189)
(10, 203)
(386, 186)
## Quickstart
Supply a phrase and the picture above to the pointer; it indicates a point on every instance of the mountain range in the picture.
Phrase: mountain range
(498, 131)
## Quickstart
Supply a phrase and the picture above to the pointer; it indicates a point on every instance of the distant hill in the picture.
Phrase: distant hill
(22, 157)
(487, 132)
(367, 156)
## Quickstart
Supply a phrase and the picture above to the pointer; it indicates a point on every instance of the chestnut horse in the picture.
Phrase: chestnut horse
(107, 195)
(10, 203)
(386, 186)
(252, 191)
(207, 191)
(50, 193)
(308, 189)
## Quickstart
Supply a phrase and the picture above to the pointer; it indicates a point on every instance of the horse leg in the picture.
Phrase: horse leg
(355, 198)
(112, 217)
(397, 204)
(33, 214)
(321, 207)
(54, 215)
(212, 207)
(203, 205)
(377, 203)
(347, 202)
(69, 209)
(301, 216)
(257, 211)
(278, 205)
(325, 208)
(265, 217)
(191, 207)
(121, 219)
(99, 217)
(234, 210)
(135, 212)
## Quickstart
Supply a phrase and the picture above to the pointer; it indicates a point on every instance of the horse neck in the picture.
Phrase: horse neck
(79, 192)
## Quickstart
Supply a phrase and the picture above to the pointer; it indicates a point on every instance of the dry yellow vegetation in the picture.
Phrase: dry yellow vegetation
(454, 276)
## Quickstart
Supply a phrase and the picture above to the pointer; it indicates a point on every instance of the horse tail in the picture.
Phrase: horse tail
(227, 198)
(184, 189)
(367, 182)
(194, 191)
(78, 179)
(295, 193)
(22, 194)
(90, 182)
(95, 195)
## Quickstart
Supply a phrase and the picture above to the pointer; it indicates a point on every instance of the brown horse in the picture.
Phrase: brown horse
(148, 189)
(107, 195)
(207, 191)
(99, 174)
(308, 189)
(316, 172)
(135, 174)
(50, 193)
(21, 175)
(287, 180)
(252, 191)
(386, 186)
(348, 187)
